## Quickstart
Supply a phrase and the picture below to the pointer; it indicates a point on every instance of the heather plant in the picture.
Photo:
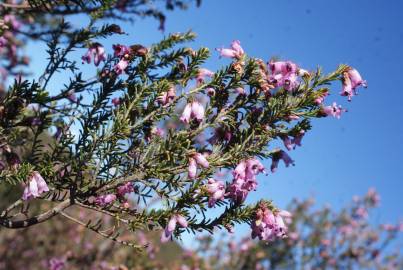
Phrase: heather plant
(319, 238)
(152, 139)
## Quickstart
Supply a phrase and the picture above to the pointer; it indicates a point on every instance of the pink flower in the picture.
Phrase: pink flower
(216, 190)
(319, 100)
(202, 74)
(57, 264)
(125, 189)
(121, 66)
(268, 226)
(291, 82)
(298, 138)
(244, 179)
(347, 89)
(240, 91)
(171, 226)
(287, 142)
(240, 170)
(227, 53)
(11, 21)
(97, 51)
(196, 159)
(333, 110)
(351, 81)
(167, 98)
(3, 42)
(277, 156)
(356, 79)
(197, 111)
(192, 110)
(389, 227)
(36, 186)
(284, 74)
(253, 167)
(235, 51)
(182, 221)
(104, 200)
(210, 92)
(156, 131)
(201, 160)
(373, 197)
(186, 114)
(361, 212)
(116, 101)
(192, 169)
(220, 134)
(302, 72)
(120, 50)
(282, 67)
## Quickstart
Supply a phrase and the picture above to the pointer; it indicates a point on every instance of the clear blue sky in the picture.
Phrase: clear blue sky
(339, 158)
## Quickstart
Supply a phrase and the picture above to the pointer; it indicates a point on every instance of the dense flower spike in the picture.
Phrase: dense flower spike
(35, 187)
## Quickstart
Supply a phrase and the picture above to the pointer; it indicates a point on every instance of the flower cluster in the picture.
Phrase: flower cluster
(268, 226)
(216, 191)
(284, 74)
(193, 111)
(244, 179)
(351, 81)
(236, 51)
(97, 51)
(104, 200)
(35, 187)
(122, 53)
(166, 98)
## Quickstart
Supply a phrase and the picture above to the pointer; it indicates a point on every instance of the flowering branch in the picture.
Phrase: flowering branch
(154, 124)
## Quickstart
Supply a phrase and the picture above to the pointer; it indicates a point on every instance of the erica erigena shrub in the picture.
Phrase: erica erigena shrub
(154, 124)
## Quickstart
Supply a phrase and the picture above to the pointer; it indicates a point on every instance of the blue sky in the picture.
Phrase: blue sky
(339, 158)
